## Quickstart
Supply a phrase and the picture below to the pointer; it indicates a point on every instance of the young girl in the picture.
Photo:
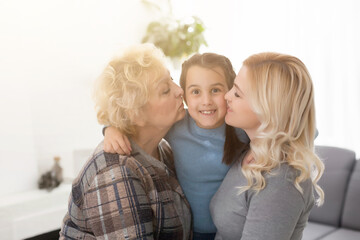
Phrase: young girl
(198, 141)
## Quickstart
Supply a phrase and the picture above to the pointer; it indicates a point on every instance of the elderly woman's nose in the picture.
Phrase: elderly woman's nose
(178, 90)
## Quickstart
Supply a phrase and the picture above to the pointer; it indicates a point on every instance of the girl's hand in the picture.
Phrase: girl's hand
(249, 158)
(116, 142)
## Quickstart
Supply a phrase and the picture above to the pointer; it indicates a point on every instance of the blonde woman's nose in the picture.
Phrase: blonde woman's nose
(227, 95)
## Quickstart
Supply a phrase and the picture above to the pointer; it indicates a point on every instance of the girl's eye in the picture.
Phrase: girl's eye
(215, 90)
(195, 91)
(166, 92)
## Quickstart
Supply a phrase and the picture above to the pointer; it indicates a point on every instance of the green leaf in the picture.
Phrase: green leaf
(175, 37)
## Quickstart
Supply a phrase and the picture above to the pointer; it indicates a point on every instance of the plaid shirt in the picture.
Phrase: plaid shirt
(121, 197)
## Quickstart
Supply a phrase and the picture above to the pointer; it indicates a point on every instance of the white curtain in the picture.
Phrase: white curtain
(324, 34)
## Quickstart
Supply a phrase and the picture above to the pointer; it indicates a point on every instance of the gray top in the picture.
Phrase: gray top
(277, 212)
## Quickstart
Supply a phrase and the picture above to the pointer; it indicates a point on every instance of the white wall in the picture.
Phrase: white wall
(50, 54)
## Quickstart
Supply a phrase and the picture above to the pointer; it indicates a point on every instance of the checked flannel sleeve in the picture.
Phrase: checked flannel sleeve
(117, 206)
(127, 197)
(108, 201)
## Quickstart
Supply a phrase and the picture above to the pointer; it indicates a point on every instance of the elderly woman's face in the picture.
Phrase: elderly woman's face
(165, 106)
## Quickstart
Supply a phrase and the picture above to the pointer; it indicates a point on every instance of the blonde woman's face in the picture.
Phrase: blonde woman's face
(165, 106)
(239, 113)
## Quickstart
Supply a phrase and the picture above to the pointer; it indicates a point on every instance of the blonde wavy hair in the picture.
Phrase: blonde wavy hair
(282, 96)
(126, 84)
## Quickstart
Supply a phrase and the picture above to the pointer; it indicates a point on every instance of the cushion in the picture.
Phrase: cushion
(339, 163)
(314, 231)
(343, 234)
(351, 212)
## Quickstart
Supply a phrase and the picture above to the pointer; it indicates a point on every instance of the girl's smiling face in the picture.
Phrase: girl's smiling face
(205, 91)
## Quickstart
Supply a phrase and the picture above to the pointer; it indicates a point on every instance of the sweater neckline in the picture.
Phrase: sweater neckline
(215, 133)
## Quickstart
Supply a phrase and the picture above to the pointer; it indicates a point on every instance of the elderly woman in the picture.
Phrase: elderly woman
(136, 196)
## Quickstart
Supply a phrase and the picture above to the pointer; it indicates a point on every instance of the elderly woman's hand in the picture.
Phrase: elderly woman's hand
(116, 142)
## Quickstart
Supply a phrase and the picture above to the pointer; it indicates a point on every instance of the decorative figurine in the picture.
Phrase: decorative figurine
(51, 179)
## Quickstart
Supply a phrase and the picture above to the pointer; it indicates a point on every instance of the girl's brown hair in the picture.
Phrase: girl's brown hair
(233, 146)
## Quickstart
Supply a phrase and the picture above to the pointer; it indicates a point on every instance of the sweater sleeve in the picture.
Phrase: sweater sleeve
(117, 207)
(274, 212)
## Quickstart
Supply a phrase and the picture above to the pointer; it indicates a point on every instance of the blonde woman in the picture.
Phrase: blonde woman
(136, 196)
(269, 192)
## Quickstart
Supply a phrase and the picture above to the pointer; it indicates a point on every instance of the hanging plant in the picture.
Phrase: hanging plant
(177, 38)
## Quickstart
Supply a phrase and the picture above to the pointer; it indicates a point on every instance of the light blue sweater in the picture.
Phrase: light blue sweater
(198, 154)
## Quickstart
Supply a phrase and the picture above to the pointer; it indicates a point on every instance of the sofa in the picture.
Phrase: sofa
(339, 217)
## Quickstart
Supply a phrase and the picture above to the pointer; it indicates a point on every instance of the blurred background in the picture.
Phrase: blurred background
(52, 51)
